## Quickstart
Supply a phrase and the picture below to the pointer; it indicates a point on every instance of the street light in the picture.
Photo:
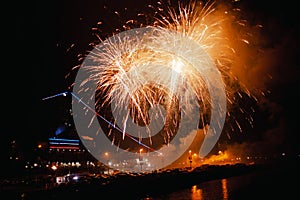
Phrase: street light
(54, 168)
(190, 158)
(108, 163)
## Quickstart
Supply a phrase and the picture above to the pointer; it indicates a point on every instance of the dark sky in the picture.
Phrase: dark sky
(45, 37)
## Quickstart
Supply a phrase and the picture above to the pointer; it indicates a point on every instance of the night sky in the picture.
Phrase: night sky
(45, 38)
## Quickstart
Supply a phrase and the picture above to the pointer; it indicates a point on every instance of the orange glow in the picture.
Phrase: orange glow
(196, 193)
(221, 158)
(224, 189)
(217, 28)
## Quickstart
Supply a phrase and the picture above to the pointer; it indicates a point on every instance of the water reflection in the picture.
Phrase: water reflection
(256, 185)
(196, 193)
(217, 189)
(211, 190)
(224, 189)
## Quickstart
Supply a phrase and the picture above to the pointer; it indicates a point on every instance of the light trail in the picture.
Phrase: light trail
(56, 95)
(96, 113)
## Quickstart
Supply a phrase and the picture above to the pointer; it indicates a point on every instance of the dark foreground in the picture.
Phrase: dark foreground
(150, 185)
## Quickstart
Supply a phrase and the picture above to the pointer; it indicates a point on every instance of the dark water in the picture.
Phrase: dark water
(275, 182)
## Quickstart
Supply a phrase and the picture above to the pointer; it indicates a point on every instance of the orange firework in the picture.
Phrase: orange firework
(193, 52)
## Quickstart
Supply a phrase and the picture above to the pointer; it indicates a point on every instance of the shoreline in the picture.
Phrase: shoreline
(133, 186)
(139, 186)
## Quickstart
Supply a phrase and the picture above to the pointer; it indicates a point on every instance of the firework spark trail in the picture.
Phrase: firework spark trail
(201, 22)
(221, 31)
(56, 95)
(157, 67)
(103, 118)
(113, 125)
(123, 56)
(128, 81)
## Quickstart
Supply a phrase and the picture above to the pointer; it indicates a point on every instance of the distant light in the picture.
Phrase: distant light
(75, 178)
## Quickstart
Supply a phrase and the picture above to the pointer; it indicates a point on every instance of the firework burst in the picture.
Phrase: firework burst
(233, 44)
(166, 66)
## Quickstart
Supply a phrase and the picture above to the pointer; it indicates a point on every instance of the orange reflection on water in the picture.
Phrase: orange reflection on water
(224, 189)
(196, 193)
(217, 190)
